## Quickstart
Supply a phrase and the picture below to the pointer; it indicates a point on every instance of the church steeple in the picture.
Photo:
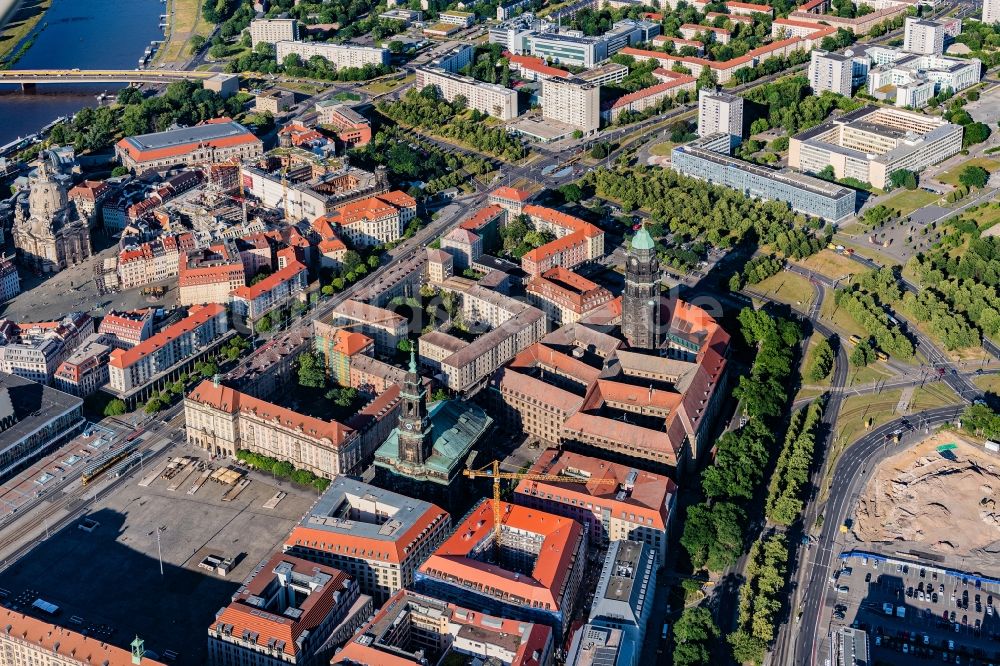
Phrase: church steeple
(641, 298)
(414, 426)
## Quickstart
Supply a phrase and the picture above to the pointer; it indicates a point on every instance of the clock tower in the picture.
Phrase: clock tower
(641, 298)
(414, 426)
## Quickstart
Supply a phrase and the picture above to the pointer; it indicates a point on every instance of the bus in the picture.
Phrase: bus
(855, 339)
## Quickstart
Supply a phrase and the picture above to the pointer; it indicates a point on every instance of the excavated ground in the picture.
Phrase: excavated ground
(944, 502)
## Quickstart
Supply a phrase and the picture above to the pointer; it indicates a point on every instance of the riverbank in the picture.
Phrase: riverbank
(184, 22)
(18, 18)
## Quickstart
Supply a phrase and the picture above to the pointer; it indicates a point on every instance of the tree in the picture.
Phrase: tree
(395, 46)
(571, 192)
(975, 133)
(600, 151)
(404, 346)
(863, 354)
(119, 171)
(822, 361)
(974, 176)
(903, 178)
(264, 324)
(115, 407)
(694, 632)
(577, 134)
(311, 373)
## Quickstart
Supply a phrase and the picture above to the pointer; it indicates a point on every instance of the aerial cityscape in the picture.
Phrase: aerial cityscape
(499, 332)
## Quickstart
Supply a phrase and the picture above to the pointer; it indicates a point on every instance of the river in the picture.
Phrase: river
(88, 34)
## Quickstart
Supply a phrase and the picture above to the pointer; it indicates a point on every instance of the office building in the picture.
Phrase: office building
(609, 72)
(210, 275)
(340, 56)
(831, 72)
(491, 99)
(29, 640)
(286, 614)
(719, 112)
(223, 421)
(568, 49)
(275, 102)
(991, 11)
(564, 296)
(462, 19)
(273, 31)
(636, 505)
(911, 80)
(464, 246)
(414, 630)
(376, 536)
(170, 351)
(849, 647)
(599, 646)
(572, 101)
(623, 599)
(217, 140)
(34, 420)
(383, 326)
(872, 142)
(709, 159)
(532, 573)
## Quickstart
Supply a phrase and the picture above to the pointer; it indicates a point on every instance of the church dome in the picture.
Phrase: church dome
(47, 197)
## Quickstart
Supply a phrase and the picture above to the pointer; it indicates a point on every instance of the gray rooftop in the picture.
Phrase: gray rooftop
(626, 584)
(33, 405)
(350, 506)
(186, 135)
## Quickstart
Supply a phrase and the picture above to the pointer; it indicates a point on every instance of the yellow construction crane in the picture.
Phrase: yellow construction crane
(492, 471)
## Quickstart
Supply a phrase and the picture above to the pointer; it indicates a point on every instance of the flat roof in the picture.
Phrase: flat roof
(186, 135)
(34, 405)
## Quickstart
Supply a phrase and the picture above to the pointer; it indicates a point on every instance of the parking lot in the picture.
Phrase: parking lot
(915, 612)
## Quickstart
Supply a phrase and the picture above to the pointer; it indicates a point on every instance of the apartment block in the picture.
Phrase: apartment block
(376, 536)
(924, 37)
(285, 614)
(274, 291)
(488, 98)
(413, 629)
(541, 558)
(831, 72)
(154, 261)
(223, 421)
(210, 275)
(35, 350)
(340, 56)
(626, 503)
(10, 281)
(709, 159)
(572, 101)
(273, 31)
(719, 112)
(383, 326)
(464, 246)
(275, 102)
(576, 241)
(126, 329)
(646, 98)
(872, 142)
(179, 344)
(991, 11)
(85, 370)
(911, 80)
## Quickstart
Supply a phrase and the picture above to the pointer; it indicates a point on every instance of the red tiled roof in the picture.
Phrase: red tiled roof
(658, 89)
(70, 646)
(481, 217)
(140, 155)
(232, 401)
(702, 28)
(536, 64)
(748, 5)
(285, 274)
(350, 343)
(124, 358)
(511, 194)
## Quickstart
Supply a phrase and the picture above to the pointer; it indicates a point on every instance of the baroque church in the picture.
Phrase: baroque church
(48, 232)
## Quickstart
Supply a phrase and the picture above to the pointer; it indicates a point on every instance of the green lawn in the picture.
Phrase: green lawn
(866, 375)
(908, 201)
(344, 96)
(989, 383)
(929, 396)
(951, 175)
(985, 215)
(806, 364)
(831, 264)
(839, 319)
(386, 85)
(788, 288)
(662, 149)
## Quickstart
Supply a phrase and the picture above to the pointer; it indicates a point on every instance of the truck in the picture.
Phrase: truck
(887, 609)
(900, 611)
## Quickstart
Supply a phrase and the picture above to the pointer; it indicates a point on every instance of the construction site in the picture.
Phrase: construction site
(938, 497)
(182, 536)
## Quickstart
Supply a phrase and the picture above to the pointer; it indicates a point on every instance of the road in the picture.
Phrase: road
(850, 475)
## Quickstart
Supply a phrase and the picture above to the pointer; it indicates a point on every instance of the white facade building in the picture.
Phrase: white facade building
(273, 31)
(338, 55)
(572, 101)
(719, 112)
(487, 98)
(923, 37)
(830, 72)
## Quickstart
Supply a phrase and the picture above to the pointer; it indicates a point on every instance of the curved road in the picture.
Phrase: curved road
(850, 475)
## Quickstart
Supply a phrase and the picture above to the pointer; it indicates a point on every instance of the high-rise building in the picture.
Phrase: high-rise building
(641, 298)
(719, 112)
(572, 101)
(273, 31)
(924, 37)
(830, 72)
(991, 11)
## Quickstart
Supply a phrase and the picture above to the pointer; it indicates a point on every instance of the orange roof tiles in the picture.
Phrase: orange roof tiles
(511, 194)
(140, 155)
(702, 28)
(350, 343)
(658, 89)
(285, 274)
(70, 646)
(751, 6)
(481, 217)
(270, 626)
(561, 538)
(647, 498)
(536, 64)
(124, 358)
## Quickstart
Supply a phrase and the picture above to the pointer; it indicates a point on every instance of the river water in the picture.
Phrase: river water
(88, 34)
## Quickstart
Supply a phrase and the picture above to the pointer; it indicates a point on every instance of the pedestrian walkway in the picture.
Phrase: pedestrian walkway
(904, 400)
